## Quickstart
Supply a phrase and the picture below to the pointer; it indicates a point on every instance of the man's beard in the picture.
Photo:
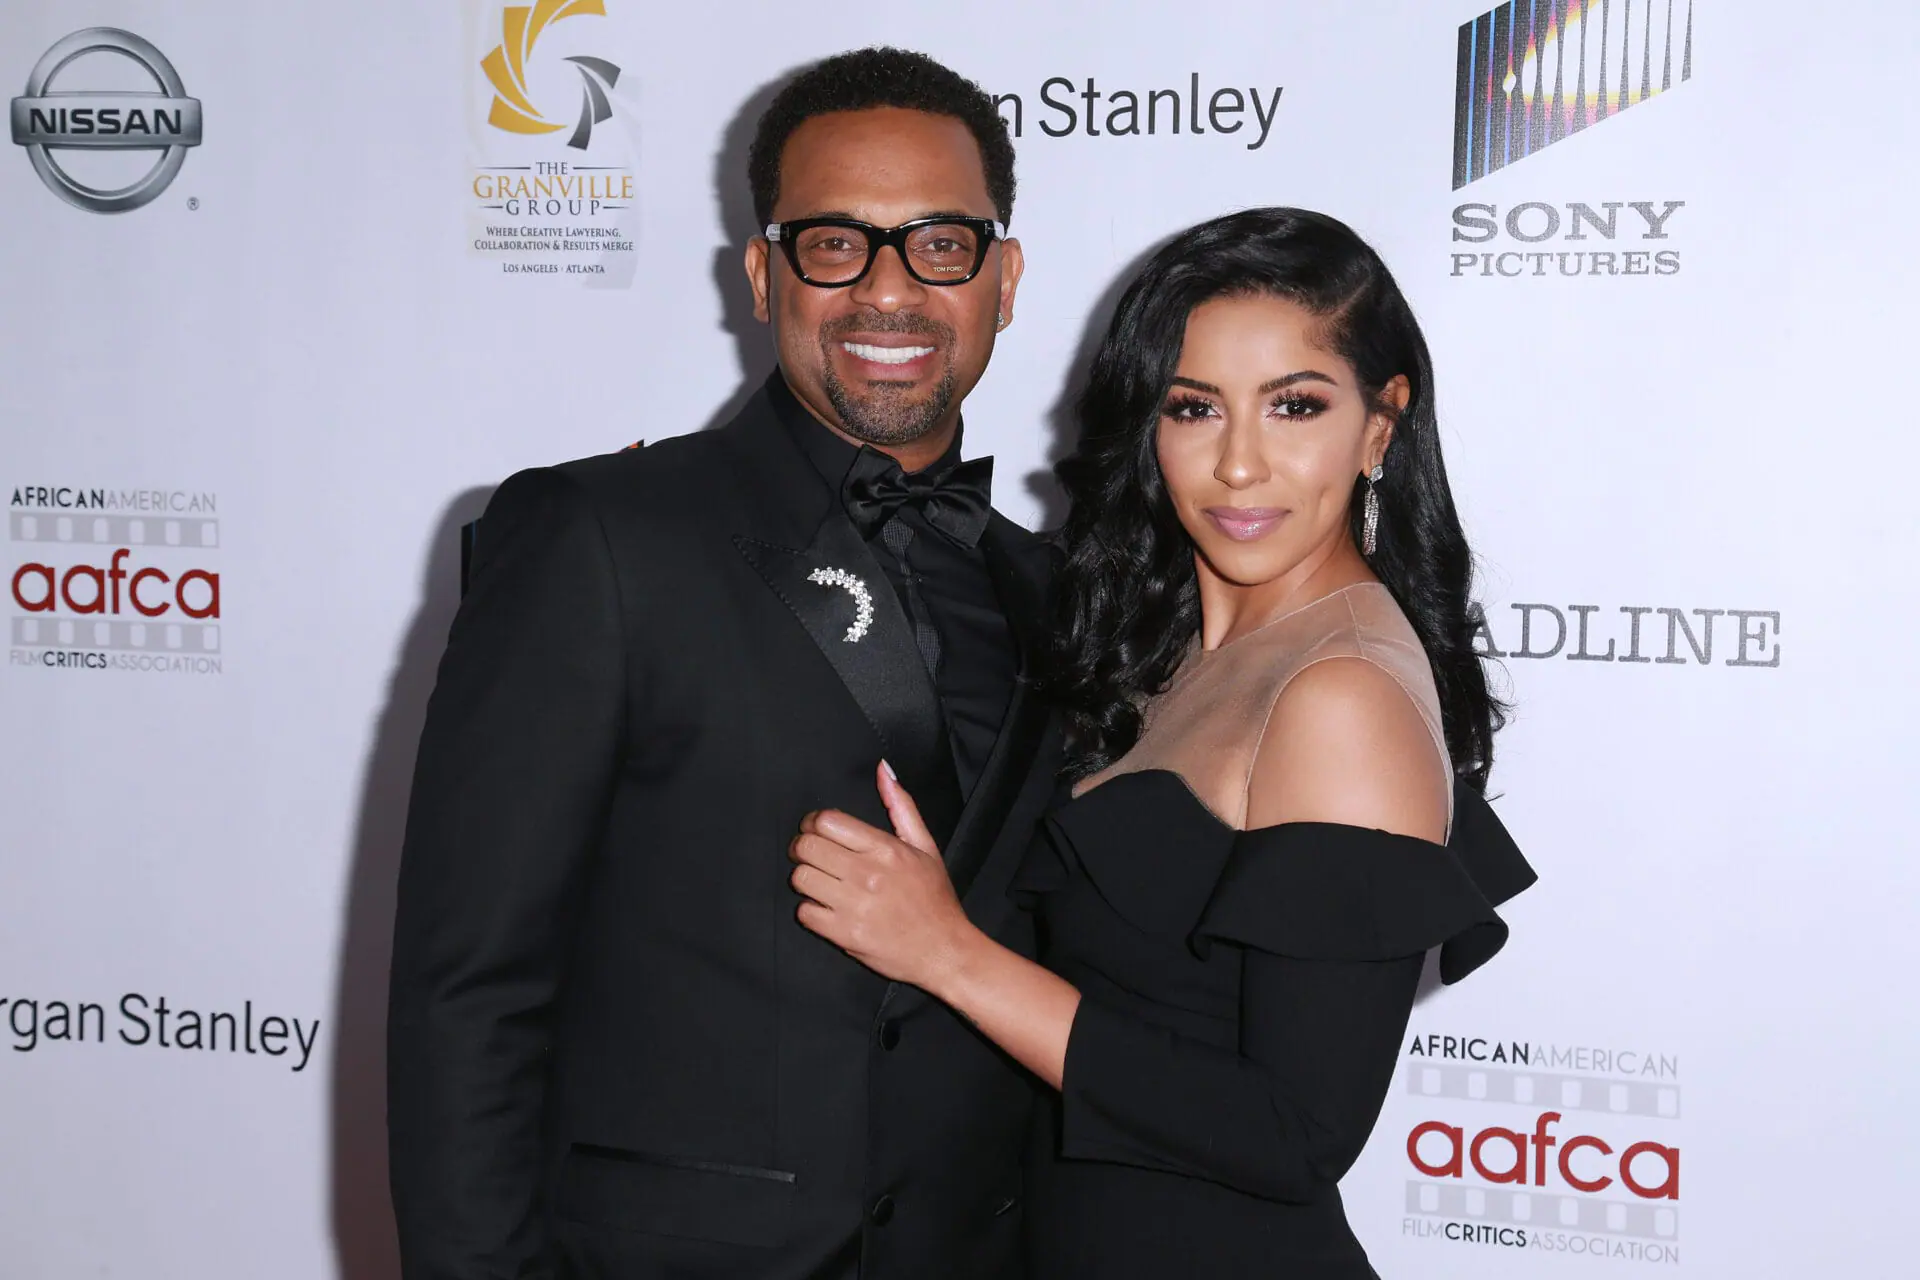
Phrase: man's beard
(885, 414)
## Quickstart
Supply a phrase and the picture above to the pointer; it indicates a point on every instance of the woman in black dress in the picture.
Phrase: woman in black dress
(1264, 656)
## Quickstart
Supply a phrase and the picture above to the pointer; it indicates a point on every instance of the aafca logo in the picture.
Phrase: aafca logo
(114, 580)
(553, 180)
(1528, 79)
(1549, 1148)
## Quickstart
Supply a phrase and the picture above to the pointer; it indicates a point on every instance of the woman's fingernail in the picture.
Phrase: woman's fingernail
(890, 772)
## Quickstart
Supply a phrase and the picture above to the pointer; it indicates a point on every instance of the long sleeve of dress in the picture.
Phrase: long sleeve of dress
(1331, 924)
(1284, 1116)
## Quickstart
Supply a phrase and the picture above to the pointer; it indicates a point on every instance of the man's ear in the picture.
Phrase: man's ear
(1013, 264)
(758, 276)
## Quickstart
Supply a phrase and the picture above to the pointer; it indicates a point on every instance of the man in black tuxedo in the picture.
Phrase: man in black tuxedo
(613, 1051)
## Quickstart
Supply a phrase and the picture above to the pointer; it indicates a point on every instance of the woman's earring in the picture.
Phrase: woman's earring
(1000, 321)
(1370, 512)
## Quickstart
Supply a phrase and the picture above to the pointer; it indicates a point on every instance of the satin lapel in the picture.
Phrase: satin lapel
(1019, 578)
(832, 583)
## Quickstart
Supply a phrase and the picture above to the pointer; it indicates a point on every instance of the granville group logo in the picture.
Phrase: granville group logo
(1565, 1149)
(1532, 74)
(542, 207)
(114, 580)
(506, 69)
(86, 115)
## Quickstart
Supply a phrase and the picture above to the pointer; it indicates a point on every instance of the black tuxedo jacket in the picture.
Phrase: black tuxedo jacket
(613, 1052)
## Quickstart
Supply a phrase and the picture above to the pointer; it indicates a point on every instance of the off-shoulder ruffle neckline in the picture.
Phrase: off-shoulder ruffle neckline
(1169, 866)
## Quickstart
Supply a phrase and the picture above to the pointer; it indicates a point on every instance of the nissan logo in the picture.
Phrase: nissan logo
(45, 121)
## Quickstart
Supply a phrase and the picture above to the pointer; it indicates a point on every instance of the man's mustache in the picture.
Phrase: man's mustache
(885, 322)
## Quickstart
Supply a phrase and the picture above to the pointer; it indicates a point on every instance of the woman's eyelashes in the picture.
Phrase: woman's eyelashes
(1289, 404)
(1188, 408)
(1298, 404)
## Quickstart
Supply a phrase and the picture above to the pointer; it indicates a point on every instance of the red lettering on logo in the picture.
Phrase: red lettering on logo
(1670, 1156)
(1510, 1166)
(1451, 1169)
(45, 603)
(1517, 1143)
(90, 589)
(211, 609)
(1573, 1179)
(133, 593)
(1541, 1141)
(98, 604)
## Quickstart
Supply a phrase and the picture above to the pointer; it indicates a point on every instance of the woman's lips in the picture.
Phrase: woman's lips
(1244, 524)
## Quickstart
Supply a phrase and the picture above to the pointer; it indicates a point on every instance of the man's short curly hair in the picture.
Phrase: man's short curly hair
(879, 77)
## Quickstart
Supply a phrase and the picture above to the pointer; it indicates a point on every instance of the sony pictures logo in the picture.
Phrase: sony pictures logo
(87, 114)
(1533, 76)
(114, 580)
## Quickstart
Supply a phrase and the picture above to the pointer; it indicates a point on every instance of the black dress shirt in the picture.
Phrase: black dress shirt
(978, 662)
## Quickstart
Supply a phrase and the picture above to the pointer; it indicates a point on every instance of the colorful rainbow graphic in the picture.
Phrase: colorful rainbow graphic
(1531, 74)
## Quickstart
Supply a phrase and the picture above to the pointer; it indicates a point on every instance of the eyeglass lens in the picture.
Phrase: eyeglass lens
(935, 253)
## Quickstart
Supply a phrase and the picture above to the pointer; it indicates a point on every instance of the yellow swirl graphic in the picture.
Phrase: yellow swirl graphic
(506, 66)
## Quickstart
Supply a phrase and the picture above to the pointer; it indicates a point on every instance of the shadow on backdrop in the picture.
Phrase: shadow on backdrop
(753, 340)
(362, 1213)
(1063, 417)
(361, 1210)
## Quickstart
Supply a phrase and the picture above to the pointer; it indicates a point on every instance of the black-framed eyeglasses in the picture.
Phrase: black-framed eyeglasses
(832, 253)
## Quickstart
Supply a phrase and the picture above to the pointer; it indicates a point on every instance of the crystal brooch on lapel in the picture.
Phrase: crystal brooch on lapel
(862, 599)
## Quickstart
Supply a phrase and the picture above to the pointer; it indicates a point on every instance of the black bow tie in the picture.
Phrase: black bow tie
(956, 502)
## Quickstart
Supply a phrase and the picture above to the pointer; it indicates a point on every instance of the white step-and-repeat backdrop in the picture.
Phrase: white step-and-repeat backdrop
(286, 288)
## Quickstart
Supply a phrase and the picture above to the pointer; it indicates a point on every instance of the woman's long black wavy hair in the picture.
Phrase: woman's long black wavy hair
(1127, 599)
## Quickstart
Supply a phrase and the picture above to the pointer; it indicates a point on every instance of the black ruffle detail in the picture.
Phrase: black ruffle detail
(1316, 891)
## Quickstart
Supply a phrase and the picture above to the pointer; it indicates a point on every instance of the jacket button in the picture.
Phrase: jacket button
(889, 1033)
(882, 1211)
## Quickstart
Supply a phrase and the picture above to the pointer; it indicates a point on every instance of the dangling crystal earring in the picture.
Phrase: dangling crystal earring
(1370, 513)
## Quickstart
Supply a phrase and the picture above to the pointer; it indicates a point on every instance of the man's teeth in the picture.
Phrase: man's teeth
(886, 355)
